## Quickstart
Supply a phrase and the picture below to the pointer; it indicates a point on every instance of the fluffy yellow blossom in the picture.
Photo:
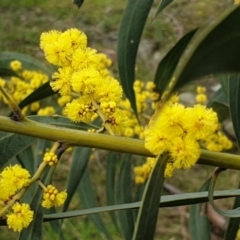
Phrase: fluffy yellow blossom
(84, 75)
(52, 197)
(20, 217)
(80, 110)
(201, 90)
(86, 81)
(47, 38)
(161, 132)
(138, 86)
(139, 179)
(109, 90)
(177, 130)
(108, 108)
(50, 158)
(62, 80)
(141, 102)
(150, 86)
(59, 47)
(169, 170)
(63, 100)
(200, 122)
(156, 140)
(218, 142)
(84, 58)
(201, 98)
(47, 111)
(2, 82)
(118, 121)
(35, 106)
(138, 129)
(142, 172)
(172, 117)
(184, 152)
(16, 65)
(129, 132)
(20, 88)
(77, 38)
(59, 51)
(12, 179)
(103, 61)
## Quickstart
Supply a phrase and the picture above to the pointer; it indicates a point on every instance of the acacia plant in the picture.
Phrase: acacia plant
(78, 107)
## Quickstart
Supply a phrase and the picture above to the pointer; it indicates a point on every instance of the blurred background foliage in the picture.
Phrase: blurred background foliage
(22, 22)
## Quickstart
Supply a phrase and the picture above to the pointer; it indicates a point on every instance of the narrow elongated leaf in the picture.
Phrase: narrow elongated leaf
(234, 102)
(79, 164)
(234, 213)
(112, 161)
(88, 200)
(28, 62)
(26, 159)
(4, 134)
(124, 196)
(148, 212)
(233, 223)
(132, 24)
(168, 64)
(199, 224)
(166, 201)
(6, 72)
(219, 96)
(78, 2)
(138, 197)
(224, 80)
(219, 103)
(222, 110)
(213, 50)
(13, 144)
(162, 5)
(40, 93)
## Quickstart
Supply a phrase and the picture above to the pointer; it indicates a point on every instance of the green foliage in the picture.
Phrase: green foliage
(162, 5)
(148, 212)
(27, 61)
(199, 225)
(124, 195)
(133, 210)
(234, 102)
(219, 103)
(205, 57)
(88, 200)
(132, 24)
(11, 145)
(78, 2)
(169, 62)
(233, 223)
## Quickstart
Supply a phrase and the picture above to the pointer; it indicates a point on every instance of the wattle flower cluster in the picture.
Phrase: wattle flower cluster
(52, 197)
(23, 84)
(83, 76)
(12, 179)
(178, 130)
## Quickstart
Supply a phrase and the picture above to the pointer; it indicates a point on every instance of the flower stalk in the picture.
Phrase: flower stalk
(103, 141)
